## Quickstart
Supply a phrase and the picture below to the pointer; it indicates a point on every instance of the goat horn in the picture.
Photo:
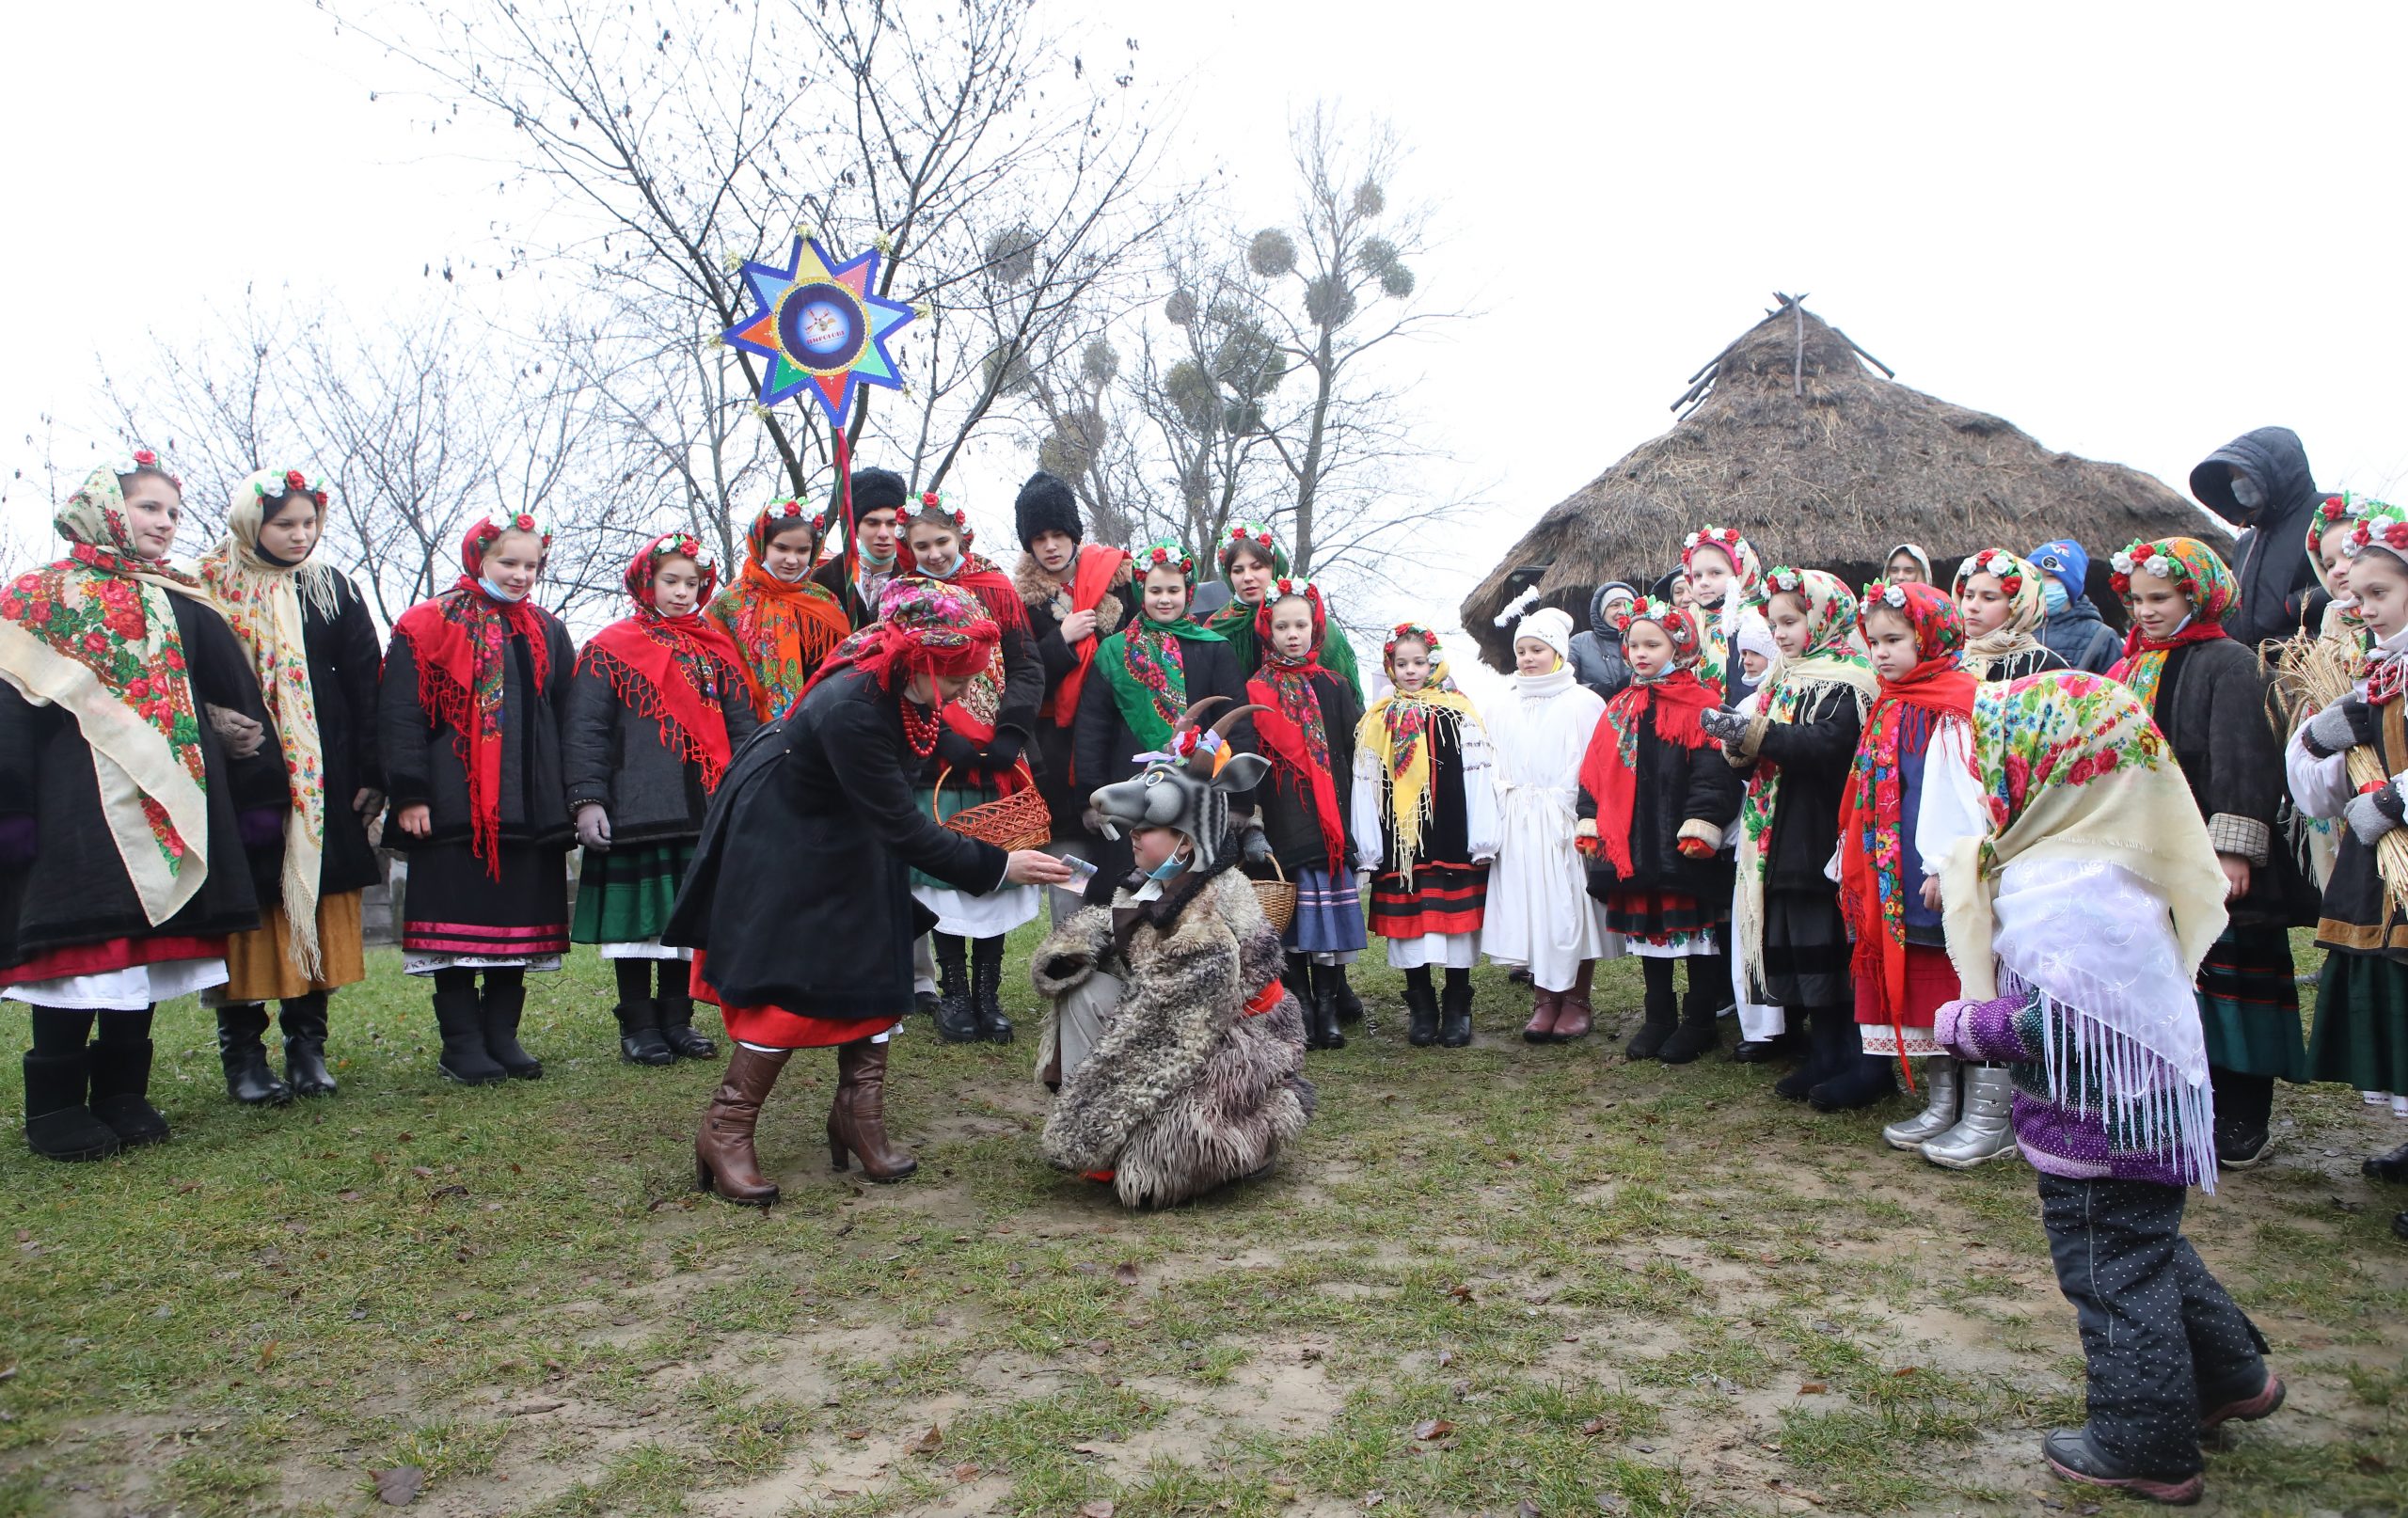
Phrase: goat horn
(1188, 717)
(1229, 720)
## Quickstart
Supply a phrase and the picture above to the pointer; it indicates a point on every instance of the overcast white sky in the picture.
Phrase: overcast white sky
(2134, 230)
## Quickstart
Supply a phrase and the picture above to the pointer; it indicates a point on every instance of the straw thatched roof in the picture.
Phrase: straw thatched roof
(1792, 438)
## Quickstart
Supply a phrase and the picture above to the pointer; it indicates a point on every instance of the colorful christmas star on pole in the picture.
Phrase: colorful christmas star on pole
(820, 329)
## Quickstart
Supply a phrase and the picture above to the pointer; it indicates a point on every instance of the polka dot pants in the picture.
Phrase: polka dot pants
(2163, 1340)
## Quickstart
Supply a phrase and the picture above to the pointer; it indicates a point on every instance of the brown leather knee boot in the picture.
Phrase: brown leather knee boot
(857, 1119)
(723, 1159)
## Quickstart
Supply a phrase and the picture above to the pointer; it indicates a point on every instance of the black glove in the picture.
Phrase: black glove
(2339, 727)
(1003, 752)
(956, 750)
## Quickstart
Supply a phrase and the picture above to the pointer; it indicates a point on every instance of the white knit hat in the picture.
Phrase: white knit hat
(1753, 635)
(1549, 626)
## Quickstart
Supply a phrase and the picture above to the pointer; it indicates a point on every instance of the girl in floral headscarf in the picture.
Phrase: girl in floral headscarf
(1654, 801)
(469, 718)
(1921, 717)
(133, 772)
(1425, 823)
(1722, 569)
(1250, 559)
(2000, 597)
(317, 655)
(2207, 695)
(782, 622)
(656, 709)
(1795, 742)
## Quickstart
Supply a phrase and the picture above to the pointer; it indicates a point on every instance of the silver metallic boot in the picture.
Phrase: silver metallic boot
(1984, 1132)
(1938, 1116)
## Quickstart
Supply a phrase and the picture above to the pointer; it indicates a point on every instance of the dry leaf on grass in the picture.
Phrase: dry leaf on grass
(928, 1443)
(1433, 1429)
(1125, 1273)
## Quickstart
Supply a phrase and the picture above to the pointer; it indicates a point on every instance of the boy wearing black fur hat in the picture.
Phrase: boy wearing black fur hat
(878, 541)
(1076, 596)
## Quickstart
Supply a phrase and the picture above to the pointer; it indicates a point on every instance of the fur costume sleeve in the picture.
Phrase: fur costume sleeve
(1182, 992)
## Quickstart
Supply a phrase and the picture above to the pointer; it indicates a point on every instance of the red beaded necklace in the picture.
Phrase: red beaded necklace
(921, 728)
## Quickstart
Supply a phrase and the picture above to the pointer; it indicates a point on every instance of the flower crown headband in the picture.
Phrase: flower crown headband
(1239, 538)
(1677, 622)
(1725, 538)
(2383, 527)
(2154, 560)
(1409, 632)
(1998, 563)
(294, 483)
(143, 458)
(1159, 556)
(792, 510)
(932, 511)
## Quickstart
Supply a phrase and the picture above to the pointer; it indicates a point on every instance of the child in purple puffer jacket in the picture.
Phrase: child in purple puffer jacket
(2080, 892)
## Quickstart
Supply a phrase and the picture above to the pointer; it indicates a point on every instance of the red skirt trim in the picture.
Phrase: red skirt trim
(111, 954)
(774, 1027)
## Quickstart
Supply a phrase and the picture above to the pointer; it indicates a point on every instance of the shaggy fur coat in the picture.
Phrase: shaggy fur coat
(1183, 1092)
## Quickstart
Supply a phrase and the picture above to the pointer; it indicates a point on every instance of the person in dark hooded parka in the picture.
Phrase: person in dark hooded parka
(2261, 482)
(1596, 655)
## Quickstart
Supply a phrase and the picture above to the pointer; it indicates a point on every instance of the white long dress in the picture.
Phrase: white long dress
(1540, 912)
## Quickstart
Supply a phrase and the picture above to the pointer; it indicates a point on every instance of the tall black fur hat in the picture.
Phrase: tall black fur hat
(876, 490)
(1045, 504)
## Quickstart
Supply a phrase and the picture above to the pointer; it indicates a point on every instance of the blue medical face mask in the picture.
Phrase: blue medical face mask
(1169, 869)
(497, 592)
(2053, 595)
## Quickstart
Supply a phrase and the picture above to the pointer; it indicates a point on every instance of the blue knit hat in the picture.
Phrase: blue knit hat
(2063, 560)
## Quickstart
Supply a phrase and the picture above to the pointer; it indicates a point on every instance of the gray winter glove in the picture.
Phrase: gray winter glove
(241, 734)
(1723, 727)
(2343, 725)
(593, 825)
(2373, 814)
(1253, 846)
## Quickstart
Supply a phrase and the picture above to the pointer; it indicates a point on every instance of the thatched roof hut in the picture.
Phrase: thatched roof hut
(1791, 437)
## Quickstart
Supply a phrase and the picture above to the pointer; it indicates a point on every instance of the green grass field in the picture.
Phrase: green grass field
(1504, 1280)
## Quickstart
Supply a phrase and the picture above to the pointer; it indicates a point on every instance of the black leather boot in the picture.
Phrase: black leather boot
(957, 1006)
(1454, 1003)
(2245, 1113)
(987, 989)
(1322, 1030)
(58, 1124)
(501, 1004)
(249, 1080)
(1860, 1082)
(1709, 981)
(1350, 1007)
(304, 1020)
(1662, 1011)
(461, 1021)
(2391, 1166)
(639, 1040)
(1831, 1042)
(677, 1028)
(1421, 1009)
(121, 1090)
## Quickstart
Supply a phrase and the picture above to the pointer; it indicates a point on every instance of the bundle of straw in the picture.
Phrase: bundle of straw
(2310, 674)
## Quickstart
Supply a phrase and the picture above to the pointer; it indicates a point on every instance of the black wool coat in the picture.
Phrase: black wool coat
(2279, 595)
(1291, 824)
(799, 891)
(346, 656)
(77, 889)
(2211, 704)
(619, 757)
(1814, 754)
(1675, 786)
(1106, 751)
(424, 764)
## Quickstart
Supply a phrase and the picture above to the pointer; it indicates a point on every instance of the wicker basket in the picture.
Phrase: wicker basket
(1278, 898)
(1020, 820)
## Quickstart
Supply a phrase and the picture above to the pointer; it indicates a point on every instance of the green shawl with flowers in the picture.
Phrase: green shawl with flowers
(1148, 676)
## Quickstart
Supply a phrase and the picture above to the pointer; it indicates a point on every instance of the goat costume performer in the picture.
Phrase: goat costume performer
(980, 757)
(782, 629)
(1180, 1048)
(2081, 891)
(1795, 743)
(1094, 580)
(1425, 821)
(2011, 650)
(469, 718)
(1899, 966)
(820, 957)
(122, 864)
(656, 709)
(317, 656)
(1253, 542)
(1654, 802)
(1306, 726)
(2207, 695)
(1539, 914)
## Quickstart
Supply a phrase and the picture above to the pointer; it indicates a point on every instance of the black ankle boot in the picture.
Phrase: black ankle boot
(1870, 1079)
(122, 1091)
(677, 1028)
(59, 1123)
(956, 1005)
(2391, 1167)
(1350, 1007)
(1454, 1005)
(1662, 1009)
(304, 1022)
(639, 1040)
(987, 989)
(499, 1007)
(1421, 1007)
(1322, 1030)
(1698, 1033)
(1831, 1042)
(461, 1021)
(249, 1080)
